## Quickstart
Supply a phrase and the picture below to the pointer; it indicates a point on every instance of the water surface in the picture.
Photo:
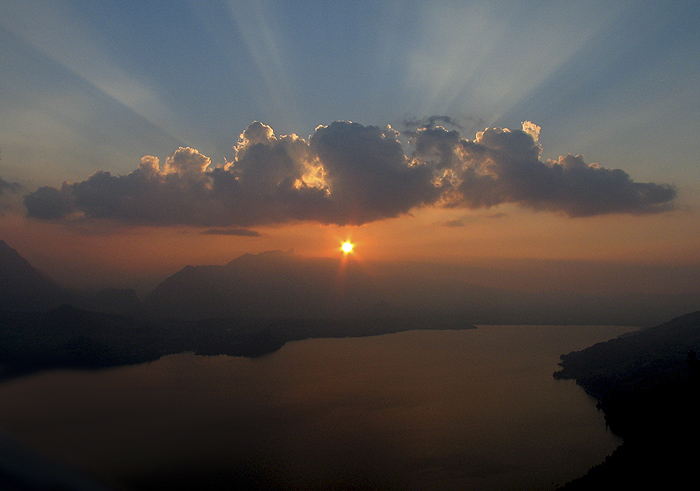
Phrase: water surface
(441, 410)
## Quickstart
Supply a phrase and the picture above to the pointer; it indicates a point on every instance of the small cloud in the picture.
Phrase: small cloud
(10, 198)
(455, 223)
(9, 187)
(473, 218)
(496, 215)
(242, 232)
(431, 122)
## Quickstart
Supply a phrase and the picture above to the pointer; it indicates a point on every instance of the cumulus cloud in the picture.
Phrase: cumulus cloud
(348, 173)
(502, 166)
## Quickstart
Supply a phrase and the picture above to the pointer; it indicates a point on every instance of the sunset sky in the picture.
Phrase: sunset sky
(139, 137)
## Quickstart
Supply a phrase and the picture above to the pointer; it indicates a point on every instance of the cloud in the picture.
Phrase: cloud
(469, 219)
(455, 223)
(9, 187)
(348, 173)
(431, 122)
(503, 166)
(368, 175)
(241, 232)
(10, 197)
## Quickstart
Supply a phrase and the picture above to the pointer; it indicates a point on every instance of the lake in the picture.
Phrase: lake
(441, 410)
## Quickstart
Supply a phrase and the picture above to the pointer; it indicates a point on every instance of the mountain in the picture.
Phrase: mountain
(69, 337)
(637, 361)
(111, 301)
(23, 288)
(272, 284)
(279, 284)
(648, 385)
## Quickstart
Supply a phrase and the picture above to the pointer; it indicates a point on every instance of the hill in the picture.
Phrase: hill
(648, 385)
(25, 288)
(272, 284)
(282, 285)
(68, 337)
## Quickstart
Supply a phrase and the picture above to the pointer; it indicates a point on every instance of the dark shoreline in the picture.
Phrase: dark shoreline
(68, 337)
(648, 385)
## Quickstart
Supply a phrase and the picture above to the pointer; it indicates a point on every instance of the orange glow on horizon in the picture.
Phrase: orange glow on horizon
(95, 256)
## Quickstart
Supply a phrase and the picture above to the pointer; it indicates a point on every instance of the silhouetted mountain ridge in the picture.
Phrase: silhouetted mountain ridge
(25, 288)
(280, 284)
(250, 307)
(271, 284)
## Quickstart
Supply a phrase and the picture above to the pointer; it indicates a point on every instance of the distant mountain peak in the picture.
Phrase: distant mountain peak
(274, 284)
(23, 287)
(8, 253)
(13, 263)
(273, 254)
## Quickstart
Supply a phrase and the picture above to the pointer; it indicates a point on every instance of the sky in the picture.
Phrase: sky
(139, 137)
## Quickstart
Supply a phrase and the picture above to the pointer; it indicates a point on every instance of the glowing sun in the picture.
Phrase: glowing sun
(347, 247)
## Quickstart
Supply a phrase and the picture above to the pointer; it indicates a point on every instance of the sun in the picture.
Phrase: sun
(347, 247)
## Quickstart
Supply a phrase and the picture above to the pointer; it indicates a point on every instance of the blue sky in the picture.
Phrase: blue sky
(97, 85)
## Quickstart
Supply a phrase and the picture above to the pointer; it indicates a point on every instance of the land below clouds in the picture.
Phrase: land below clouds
(648, 385)
(646, 382)
(284, 285)
(256, 303)
(249, 307)
(68, 337)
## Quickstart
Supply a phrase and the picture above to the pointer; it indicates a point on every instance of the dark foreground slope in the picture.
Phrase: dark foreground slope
(648, 385)
(68, 337)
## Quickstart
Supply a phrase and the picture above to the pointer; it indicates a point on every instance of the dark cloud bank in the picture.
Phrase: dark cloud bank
(347, 173)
